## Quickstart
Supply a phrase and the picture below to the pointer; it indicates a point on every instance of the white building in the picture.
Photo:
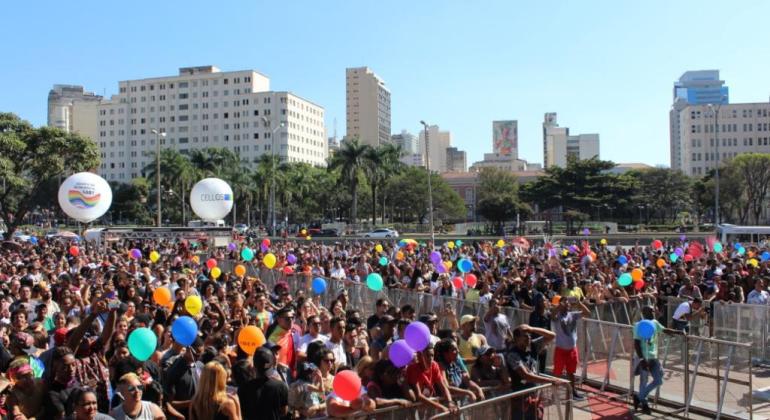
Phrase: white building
(438, 142)
(73, 110)
(409, 143)
(712, 134)
(367, 107)
(204, 107)
(559, 145)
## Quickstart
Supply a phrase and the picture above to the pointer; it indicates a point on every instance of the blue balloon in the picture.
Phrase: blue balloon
(765, 256)
(741, 250)
(623, 260)
(184, 330)
(319, 286)
(33, 240)
(464, 265)
(645, 329)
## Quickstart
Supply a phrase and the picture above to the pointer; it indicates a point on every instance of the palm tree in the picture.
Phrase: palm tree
(375, 172)
(350, 160)
(392, 166)
(176, 171)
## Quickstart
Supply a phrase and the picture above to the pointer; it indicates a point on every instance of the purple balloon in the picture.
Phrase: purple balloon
(435, 257)
(573, 248)
(552, 252)
(417, 335)
(440, 268)
(264, 248)
(232, 246)
(683, 238)
(136, 253)
(679, 252)
(291, 259)
(400, 353)
(586, 231)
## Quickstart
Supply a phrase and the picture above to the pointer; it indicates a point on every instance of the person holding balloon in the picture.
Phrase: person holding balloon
(646, 348)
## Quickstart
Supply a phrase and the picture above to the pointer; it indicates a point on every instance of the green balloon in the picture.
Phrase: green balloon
(247, 254)
(142, 343)
(625, 279)
(374, 282)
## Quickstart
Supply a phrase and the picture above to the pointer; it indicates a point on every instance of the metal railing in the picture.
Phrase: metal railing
(544, 398)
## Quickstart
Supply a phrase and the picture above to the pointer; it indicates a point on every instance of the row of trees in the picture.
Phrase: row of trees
(33, 162)
(587, 189)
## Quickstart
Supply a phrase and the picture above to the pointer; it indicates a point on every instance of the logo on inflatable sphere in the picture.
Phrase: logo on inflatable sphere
(85, 196)
(211, 199)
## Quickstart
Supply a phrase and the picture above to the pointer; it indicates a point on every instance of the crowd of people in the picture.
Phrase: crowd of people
(67, 311)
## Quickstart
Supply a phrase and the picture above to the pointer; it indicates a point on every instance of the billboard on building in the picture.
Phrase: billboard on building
(505, 138)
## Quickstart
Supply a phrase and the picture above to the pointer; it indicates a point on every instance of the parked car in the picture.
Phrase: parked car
(327, 233)
(382, 233)
(241, 228)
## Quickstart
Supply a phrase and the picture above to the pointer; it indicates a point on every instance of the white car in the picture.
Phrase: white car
(382, 233)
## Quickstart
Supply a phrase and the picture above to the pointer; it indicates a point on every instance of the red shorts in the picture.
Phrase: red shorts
(565, 359)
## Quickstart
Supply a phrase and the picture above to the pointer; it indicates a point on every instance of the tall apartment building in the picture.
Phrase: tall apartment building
(699, 87)
(204, 107)
(559, 145)
(409, 143)
(711, 134)
(368, 107)
(73, 110)
(438, 142)
(456, 160)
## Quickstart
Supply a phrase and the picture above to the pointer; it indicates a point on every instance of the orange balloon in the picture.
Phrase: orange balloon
(661, 263)
(240, 270)
(250, 338)
(636, 274)
(195, 259)
(399, 255)
(162, 296)
(556, 299)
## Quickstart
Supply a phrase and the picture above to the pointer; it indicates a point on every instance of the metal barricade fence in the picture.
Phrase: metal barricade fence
(547, 396)
(698, 326)
(743, 323)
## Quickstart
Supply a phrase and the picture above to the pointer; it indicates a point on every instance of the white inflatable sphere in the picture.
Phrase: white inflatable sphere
(85, 196)
(211, 199)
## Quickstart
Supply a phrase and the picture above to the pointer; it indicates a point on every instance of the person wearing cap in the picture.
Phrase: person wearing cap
(469, 340)
(647, 354)
(489, 369)
(264, 397)
(387, 327)
(521, 363)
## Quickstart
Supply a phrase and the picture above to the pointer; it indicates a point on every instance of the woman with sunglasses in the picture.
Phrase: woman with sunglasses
(133, 408)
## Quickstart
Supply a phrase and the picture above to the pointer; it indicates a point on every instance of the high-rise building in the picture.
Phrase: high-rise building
(559, 146)
(203, 107)
(438, 142)
(699, 87)
(73, 110)
(409, 143)
(505, 138)
(711, 134)
(368, 107)
(456, 160)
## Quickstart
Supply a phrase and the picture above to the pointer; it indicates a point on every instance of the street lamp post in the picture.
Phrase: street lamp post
(266, 122)
(158, 136)
(430, 187)
(715, 111)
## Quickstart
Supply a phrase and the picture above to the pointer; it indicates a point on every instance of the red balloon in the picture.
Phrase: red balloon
(457, 282)
(470, 280)
(288, 270)
(266, 242)
(347, 385)
(688, 258)
(657, 244)
(639, 285)
(211, 263)
(74, 251)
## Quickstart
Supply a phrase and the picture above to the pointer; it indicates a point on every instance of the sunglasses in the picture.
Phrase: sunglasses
(135, 388)
(329, 360)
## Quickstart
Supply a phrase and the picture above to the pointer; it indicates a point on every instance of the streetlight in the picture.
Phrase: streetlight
(266, 122)
(715, 112)
(158, 135)
(430, 188)
(640, 215)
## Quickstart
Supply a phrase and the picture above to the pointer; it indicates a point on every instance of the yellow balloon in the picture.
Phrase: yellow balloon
(448, 265)
(193, 304)
(154, 256)
(378, 248)
(754, 262)
(216, 272)
(564, 252)
(603, 242)
(308, 237)
(451, 245)
(500, 243)
(269, 260)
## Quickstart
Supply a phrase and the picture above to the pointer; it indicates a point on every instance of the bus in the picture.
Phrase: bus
(750, 234)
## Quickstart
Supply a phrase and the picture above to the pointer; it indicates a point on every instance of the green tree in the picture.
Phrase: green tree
(129, 201)
(498, 196)
(409, 192)
(754, 169)
(666, 192)
(31, 157)
(350, 160)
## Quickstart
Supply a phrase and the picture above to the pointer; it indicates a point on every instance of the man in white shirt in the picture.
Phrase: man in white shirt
(759, 295)
(314, 334)
(335, 343)
(337, 272)
(685, 312)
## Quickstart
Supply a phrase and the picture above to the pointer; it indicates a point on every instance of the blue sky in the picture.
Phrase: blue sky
(604, 66)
